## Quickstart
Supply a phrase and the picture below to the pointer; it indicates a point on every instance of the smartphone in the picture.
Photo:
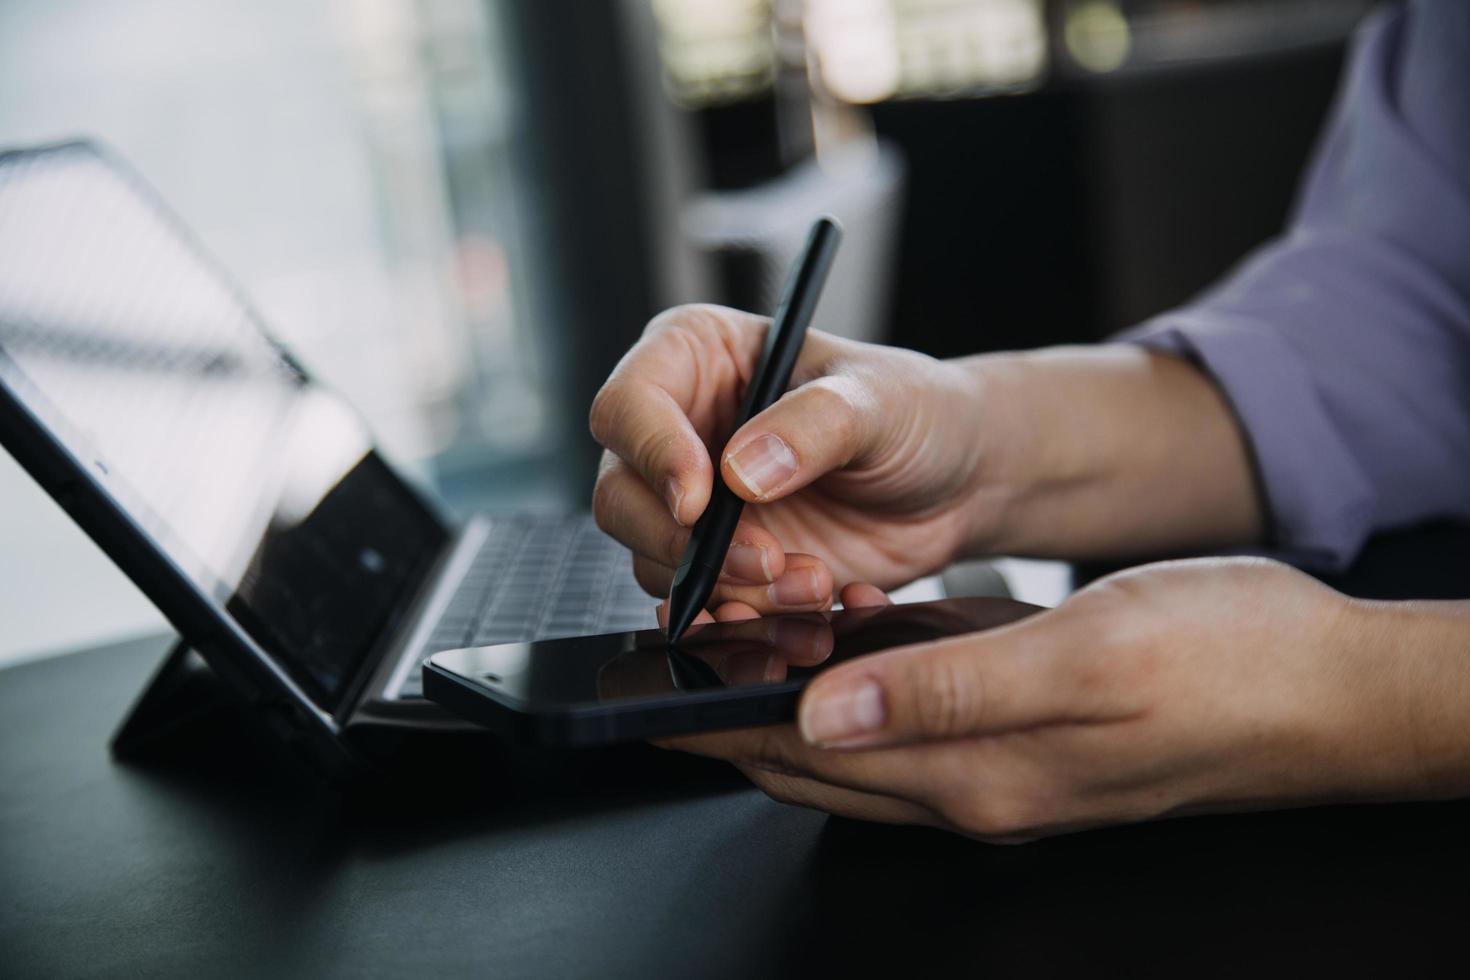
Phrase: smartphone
(596, 690)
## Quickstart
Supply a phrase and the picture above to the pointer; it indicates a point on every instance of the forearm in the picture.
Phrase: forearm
(1106, 452)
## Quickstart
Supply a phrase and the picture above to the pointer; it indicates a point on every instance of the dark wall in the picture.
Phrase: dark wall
(1069, 213)
(1191, 169)
(991, 254)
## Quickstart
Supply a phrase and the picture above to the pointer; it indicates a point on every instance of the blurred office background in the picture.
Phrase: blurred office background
(461, 212)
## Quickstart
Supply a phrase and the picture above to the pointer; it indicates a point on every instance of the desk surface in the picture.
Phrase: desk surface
(218, 860)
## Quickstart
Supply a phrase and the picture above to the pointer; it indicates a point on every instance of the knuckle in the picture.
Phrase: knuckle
(825, 354)
(607, 501)
(1113, 630)
(780, 788)
(602, 418)
(650, 578)
(836, 403)
(649, 452)
(609, 462)
(991, 815)
(1124, 649)
(1109, 615)
(696, 317)
(1103, 600)
(950, 698)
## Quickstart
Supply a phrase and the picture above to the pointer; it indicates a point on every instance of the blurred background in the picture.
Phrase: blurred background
(461, 212)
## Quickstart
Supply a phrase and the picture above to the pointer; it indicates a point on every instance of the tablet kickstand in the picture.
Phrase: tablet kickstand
(182, 690)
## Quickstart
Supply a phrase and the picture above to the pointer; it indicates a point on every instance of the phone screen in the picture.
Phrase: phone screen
(774, 653)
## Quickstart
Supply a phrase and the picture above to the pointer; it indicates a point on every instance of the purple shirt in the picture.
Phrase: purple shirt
(1344, 346)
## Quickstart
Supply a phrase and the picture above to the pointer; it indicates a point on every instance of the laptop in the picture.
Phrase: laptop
(245, 499)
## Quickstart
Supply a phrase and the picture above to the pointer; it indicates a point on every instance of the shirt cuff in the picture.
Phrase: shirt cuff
(1320, 502)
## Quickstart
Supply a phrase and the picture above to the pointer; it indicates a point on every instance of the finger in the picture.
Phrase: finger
(1039, 671)
(858, 595)
(734, 612)
(819, 427)
(806, 586)
(631, 513)
(993, 789)
(839, 801)
(915, 773)
(663, 616)
(689, 361)
(642, 425)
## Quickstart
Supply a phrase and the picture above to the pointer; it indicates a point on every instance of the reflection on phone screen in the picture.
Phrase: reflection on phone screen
(782, 649)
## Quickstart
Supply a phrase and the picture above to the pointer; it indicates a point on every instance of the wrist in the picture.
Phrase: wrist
(1041, 438)
(997, 476)
(1403, 674)
(1105, 452)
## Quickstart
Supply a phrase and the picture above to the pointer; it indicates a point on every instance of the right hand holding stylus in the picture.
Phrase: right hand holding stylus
(863, 473)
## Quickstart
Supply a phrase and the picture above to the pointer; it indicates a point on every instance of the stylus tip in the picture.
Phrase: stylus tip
(681, 617)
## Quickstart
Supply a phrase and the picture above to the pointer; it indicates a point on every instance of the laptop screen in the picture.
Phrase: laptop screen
(141, 359)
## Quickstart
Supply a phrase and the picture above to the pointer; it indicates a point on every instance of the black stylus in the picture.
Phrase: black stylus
(699, 569)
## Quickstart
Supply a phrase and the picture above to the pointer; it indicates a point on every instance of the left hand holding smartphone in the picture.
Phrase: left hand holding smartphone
(1177, 688)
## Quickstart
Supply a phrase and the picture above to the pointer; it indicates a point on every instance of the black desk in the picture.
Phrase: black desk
(222, 860)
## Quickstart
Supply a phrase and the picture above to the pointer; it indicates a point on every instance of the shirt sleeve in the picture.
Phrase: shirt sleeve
(1344, 346)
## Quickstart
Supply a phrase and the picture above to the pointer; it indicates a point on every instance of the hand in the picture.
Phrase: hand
(883, 465)
(861, 473)
(1174, 688)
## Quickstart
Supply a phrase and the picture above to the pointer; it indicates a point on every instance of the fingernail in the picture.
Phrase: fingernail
(796, 588)
(674, 494)
(763, 465)
(749, 562)
(843, 714)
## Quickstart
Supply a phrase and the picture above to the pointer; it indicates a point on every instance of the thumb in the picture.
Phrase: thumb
(814, 429)
(1037, 672)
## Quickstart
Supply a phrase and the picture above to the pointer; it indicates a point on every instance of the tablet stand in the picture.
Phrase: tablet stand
(182, 690)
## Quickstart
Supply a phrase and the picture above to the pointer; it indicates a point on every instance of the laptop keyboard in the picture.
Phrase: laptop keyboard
(538, 578)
